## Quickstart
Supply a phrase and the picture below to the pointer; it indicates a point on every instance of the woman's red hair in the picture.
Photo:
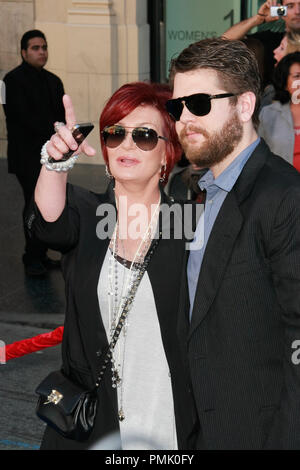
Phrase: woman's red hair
(129, 97)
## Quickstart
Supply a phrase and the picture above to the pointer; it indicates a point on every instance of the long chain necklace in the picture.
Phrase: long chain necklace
(117, 300)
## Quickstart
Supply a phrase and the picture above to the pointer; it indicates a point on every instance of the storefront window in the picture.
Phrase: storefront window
(192, 20)
(174, 24)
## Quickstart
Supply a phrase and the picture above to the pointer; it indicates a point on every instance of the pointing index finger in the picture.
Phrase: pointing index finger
(69, 112)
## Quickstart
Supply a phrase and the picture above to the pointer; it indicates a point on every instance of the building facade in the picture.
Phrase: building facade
(94, 47)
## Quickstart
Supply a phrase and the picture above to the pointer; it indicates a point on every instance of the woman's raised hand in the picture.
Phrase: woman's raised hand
(62, 141)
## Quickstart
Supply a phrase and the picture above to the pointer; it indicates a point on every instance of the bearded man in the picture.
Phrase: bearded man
(239, 313)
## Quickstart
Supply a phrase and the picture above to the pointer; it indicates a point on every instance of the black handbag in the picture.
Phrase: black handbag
(66, 406)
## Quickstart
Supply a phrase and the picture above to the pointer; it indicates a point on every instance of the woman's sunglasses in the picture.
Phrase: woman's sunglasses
(146, 139)
(198, 104)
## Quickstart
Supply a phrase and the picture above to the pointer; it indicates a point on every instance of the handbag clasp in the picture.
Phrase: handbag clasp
(54, 397)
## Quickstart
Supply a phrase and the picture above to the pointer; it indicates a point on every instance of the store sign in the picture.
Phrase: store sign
(189, 21)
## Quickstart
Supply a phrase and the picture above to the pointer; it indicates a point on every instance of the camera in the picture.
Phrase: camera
(278, 11)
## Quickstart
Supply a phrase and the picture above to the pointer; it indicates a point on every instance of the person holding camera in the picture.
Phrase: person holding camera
(269, 11)
(280, 121)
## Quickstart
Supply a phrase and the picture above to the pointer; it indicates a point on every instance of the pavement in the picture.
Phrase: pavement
(28, 307)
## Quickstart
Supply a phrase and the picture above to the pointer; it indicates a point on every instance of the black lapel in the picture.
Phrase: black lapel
(223, 236)
(164, 271)
(163, 249)
(88, 266)
(183, 308)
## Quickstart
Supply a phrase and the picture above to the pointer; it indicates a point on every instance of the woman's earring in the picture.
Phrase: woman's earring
(163, 173)
(107, 172)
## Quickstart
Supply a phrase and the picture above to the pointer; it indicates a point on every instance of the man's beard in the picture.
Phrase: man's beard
(217, 146)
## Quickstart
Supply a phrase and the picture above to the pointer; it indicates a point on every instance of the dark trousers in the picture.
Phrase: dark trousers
(35, 250)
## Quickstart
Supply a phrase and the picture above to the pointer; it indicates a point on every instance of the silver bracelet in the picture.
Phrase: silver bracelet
(57, 165)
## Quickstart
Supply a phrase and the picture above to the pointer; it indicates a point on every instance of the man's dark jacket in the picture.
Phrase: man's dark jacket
(245, 329)
(33, 104)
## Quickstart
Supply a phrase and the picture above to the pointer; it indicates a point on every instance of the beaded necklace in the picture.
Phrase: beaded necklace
(117, 299)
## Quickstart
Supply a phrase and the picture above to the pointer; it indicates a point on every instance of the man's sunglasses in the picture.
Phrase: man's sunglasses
(146, 139)
(198, 104)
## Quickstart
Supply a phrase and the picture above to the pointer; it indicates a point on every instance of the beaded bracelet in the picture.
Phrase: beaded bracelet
(57, 165)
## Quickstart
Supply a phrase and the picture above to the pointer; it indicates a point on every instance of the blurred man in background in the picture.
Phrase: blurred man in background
(33, 102)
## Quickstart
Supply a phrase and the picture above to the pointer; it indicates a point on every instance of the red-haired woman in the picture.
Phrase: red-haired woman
(143, 398)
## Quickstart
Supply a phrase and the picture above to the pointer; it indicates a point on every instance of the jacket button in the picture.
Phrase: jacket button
(98, 353)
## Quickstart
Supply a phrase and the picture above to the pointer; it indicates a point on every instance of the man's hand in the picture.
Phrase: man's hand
(241, 29)
(265, 11)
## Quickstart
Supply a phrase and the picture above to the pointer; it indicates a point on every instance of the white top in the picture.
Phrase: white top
(147, 392)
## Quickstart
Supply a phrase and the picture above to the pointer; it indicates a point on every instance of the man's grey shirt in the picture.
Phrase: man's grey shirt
(216, 192)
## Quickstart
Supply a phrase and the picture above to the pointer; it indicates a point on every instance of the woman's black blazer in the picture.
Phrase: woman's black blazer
(74, 234)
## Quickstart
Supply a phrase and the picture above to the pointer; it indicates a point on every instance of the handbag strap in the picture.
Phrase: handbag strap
(126, 307)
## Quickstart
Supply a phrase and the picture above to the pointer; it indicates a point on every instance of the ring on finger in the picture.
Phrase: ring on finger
(58, 125)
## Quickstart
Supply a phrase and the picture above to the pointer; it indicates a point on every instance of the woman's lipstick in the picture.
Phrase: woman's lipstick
(127, 161)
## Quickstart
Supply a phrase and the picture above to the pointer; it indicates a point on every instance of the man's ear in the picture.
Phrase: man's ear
(246, 105)
(23, 53)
